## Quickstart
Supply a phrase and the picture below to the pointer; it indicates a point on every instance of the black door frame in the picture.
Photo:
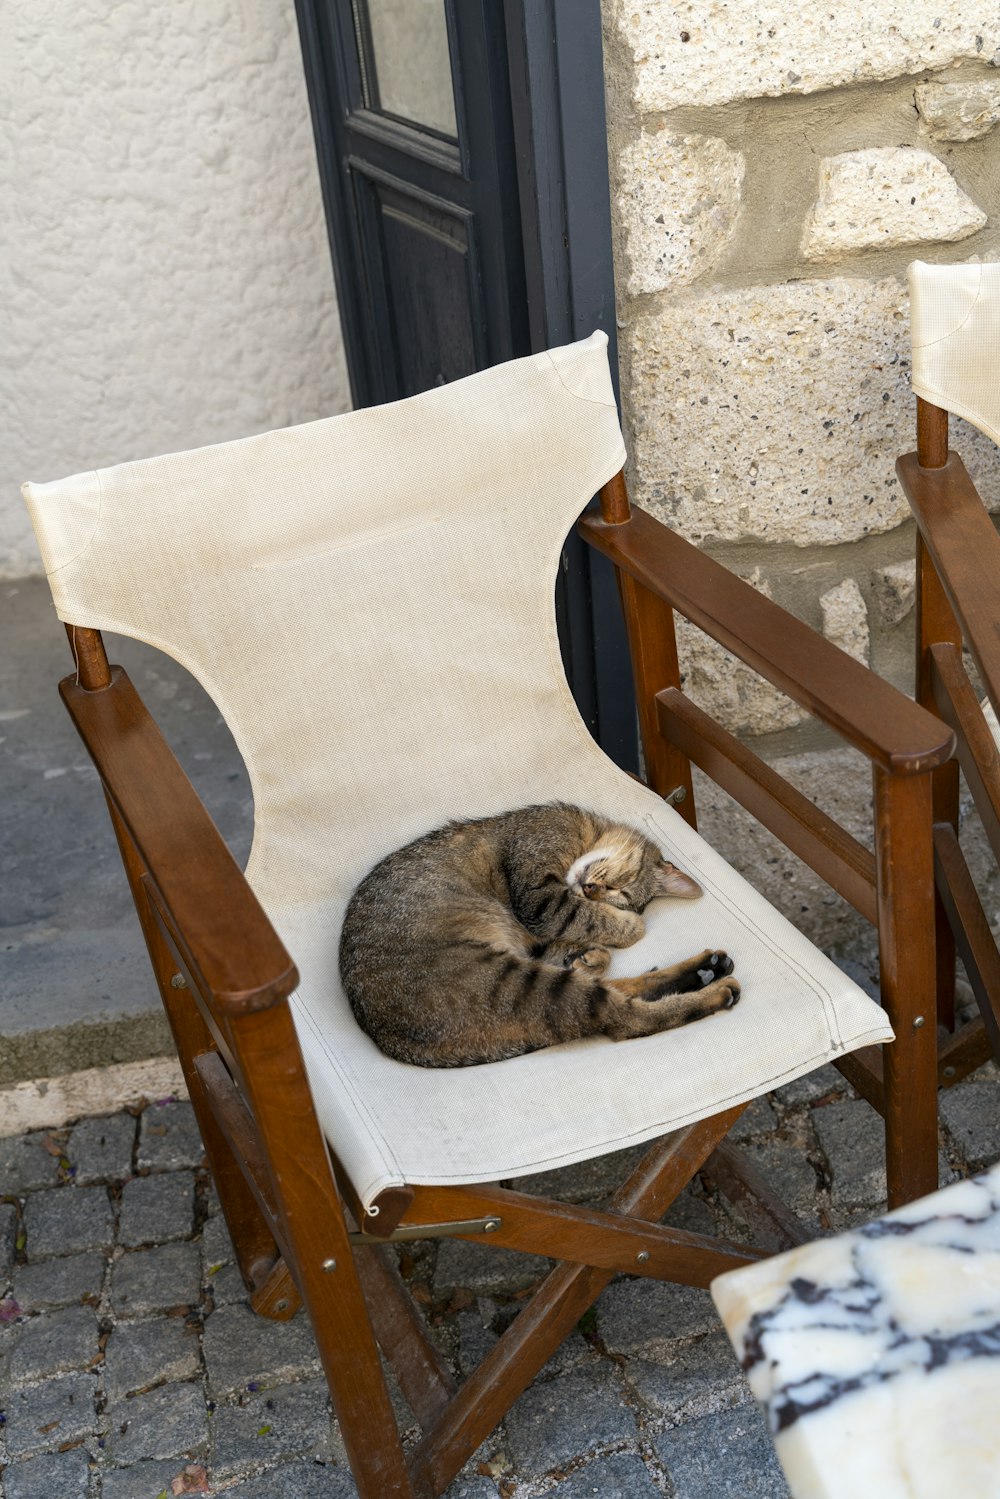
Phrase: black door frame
(546, 57)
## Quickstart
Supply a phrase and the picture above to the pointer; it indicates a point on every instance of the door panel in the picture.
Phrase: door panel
(463, 158)
(428, 287)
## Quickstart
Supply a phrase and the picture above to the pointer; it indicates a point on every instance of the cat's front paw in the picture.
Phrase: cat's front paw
(590, 959)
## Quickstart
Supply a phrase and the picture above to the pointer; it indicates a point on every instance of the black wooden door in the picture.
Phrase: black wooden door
(462, 155)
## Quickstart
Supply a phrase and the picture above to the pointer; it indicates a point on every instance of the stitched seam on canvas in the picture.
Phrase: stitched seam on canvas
(951, 334)
(588, 400)
(368, 539)
(89, 542)
(957, 408)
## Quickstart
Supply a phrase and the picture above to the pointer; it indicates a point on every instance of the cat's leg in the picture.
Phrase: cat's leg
(670, 997)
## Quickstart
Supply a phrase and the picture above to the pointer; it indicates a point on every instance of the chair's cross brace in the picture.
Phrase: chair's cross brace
(589, 1236)
(973, 937)
(555, 1308)
(978, 756)
(461, 1228)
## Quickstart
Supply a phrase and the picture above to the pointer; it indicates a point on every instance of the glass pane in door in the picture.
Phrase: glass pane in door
(412, 68)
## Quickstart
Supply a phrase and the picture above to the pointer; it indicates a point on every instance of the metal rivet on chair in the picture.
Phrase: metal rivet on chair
(282, 1305)
(491, 1225)
(642, 1256)
(949, 1072)
(918, 1022)
(178, 981)
(329, 1265)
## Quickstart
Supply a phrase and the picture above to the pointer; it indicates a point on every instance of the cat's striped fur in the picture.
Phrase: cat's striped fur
(489, 938)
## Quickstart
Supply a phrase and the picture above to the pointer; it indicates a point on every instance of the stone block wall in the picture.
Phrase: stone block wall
(774, 171)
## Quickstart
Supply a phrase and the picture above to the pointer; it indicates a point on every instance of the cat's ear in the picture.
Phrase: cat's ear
(674, 882)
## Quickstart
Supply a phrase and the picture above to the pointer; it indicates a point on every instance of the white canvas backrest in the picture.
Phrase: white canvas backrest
(368, 599)
(955, 337)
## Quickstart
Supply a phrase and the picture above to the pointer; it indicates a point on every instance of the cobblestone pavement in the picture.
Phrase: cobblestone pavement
(131, 1366)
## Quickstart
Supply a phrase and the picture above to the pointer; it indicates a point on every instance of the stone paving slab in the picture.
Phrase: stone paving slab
(129, 1353)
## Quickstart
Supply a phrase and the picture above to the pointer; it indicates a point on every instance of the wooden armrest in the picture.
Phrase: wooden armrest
(965, 550)
(221, 932)
(865, 710)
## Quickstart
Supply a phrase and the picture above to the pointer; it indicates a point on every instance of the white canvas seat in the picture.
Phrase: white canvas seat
(369, 600)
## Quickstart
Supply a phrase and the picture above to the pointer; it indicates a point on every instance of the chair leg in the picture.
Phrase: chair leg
(905, 891)
(253, 1242)
(312, 1228)
(555, 1308)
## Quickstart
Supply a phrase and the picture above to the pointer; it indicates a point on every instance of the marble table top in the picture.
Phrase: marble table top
(876, 1354)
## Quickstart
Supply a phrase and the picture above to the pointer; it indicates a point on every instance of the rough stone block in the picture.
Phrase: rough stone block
(814, 1085)
(170, 1421)
(101, 1149)
(698, 1378)
(484, 1270)
(623, 1476)
(785, 1168)
(960, 111)
(845, 619)
(679, 198)
(68, 1220)
(55, 1344)
(25, 1164)
(54, 1283)
(895, 590)
(8, 1238)
(971, 1114)
(777, 412)
(853, 1139)
(216, 1245)
(142, 1354)
(886, 195)
(741, 700)
(53, 1475)
(724, 1456)
(298, 1481)
(156, 1280)
(647, 1318)
(49, 1414)
(225, 1285)
(566, 1417)
(737, 49)
(757, 1119)
(142, 1480)
(243, 1351)
(290, 1421)
(157, 1208)
(169, 1137)
(585, 1181)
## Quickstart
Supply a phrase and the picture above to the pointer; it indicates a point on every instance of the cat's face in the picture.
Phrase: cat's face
(628, 872)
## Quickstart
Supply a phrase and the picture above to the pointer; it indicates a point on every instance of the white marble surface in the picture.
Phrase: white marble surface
(876, 1354)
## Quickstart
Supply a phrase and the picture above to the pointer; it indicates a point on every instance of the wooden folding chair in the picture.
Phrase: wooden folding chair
(955, 311)
(369, 601)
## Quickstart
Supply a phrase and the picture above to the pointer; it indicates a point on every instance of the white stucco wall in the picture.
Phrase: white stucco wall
(169, 281)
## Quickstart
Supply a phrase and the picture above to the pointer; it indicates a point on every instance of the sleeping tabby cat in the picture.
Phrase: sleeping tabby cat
(489, 938)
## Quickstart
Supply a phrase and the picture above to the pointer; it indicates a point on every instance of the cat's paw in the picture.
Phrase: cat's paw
(714, 966)
(590, 959)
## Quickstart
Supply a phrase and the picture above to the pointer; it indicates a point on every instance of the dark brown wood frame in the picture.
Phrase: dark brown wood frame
(958, 565)
(225, 977)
